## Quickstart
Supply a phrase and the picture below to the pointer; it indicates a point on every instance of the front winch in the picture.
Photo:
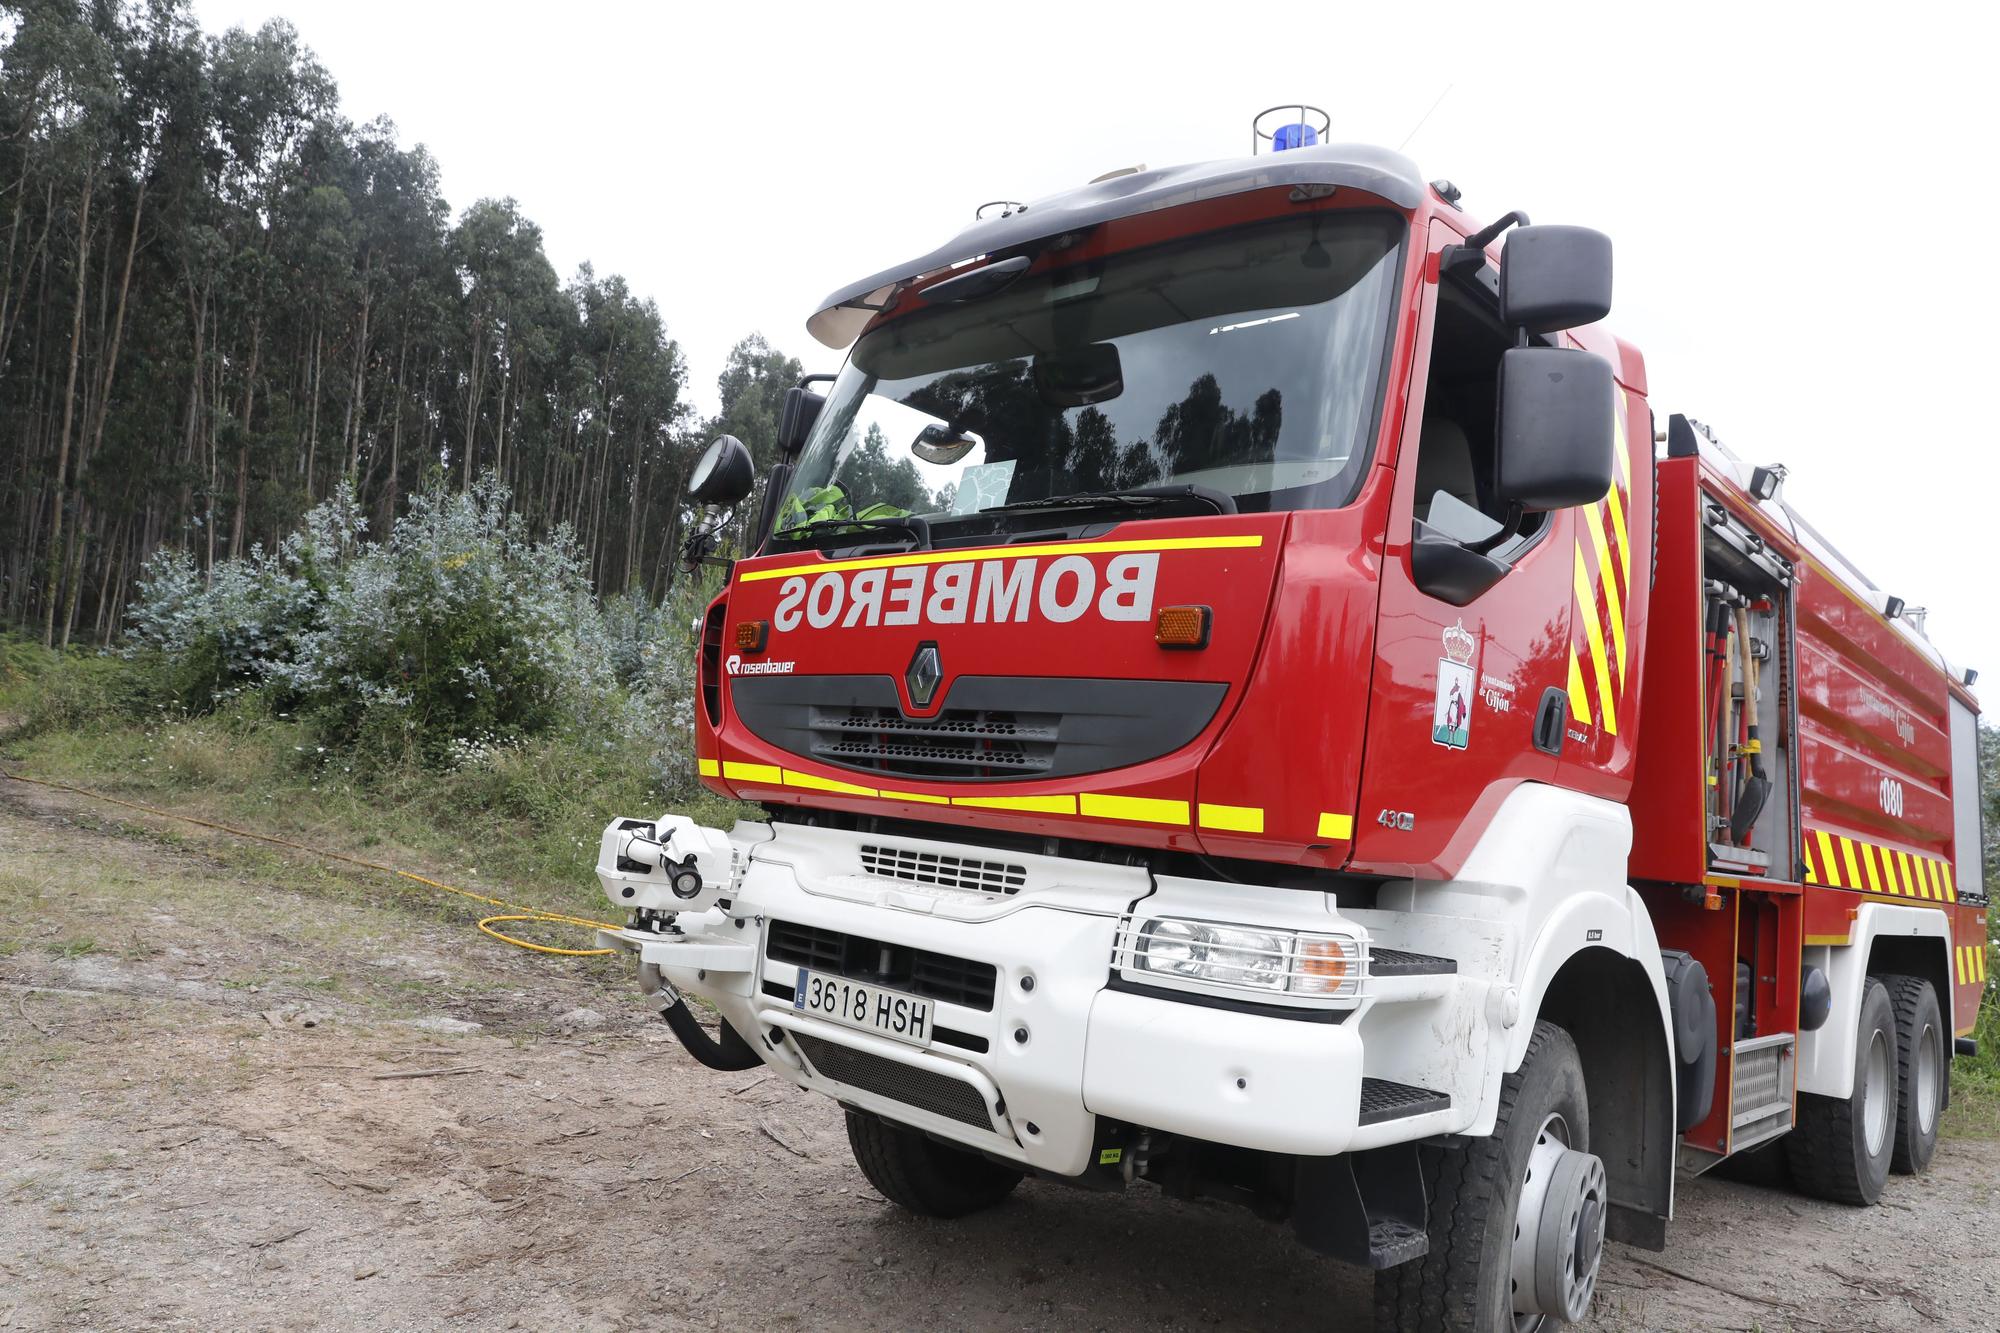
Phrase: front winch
(678, 877)
(669, 865)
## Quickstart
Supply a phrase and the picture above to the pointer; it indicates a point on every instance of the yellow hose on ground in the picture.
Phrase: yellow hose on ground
(515, 911)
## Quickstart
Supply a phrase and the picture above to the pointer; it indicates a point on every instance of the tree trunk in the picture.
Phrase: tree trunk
(396, 431)
(312, 413)
(117, 324)
(350, 431)
(475, 381)
(243, 438)
(13, 234)
(69, 411)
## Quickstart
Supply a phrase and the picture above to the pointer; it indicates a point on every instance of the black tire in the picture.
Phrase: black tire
(922, 1175)
(1464, 1285)
(1828, 1149)
(1919, 1031)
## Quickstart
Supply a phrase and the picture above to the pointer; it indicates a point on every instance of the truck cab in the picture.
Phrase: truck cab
(1190, 659)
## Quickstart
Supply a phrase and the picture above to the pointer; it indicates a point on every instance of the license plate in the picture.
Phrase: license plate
(860, 1005)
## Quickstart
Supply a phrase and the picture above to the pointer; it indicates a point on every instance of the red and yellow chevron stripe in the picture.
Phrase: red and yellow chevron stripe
(1838, 861)
(1603, 589)
(1971, 960)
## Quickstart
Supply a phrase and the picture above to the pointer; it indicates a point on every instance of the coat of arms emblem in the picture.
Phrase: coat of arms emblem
(1451, 717)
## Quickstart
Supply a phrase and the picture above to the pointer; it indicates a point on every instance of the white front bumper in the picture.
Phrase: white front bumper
(1059, 1047)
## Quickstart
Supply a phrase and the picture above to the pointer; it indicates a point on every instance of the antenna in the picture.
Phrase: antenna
(1426, 117)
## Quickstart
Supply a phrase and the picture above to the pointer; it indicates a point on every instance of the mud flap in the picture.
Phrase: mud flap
(1365, 1208)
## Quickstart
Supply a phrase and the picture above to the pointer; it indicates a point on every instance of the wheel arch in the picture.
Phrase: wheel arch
(1598, 996)
(1925, 956)
(1885, 938)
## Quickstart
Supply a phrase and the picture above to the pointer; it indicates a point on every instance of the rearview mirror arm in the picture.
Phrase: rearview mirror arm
(776, 485)
(1473, 252)
(1510, 528)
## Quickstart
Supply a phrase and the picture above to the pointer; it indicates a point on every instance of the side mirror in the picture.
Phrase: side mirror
(1555, 427)
(723, 474)
(1554, 277)
(797, 417)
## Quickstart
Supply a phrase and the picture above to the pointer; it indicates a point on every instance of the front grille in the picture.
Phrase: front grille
(942, 869)
(935, 976)
(957, 743)
(986, 729)
(924, 1089)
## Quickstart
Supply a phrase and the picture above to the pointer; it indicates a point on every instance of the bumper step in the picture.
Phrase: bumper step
(1382, 1100)
(1392, 1242)
(1403, 963)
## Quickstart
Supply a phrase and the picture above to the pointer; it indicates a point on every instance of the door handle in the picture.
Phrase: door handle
(1549, 721)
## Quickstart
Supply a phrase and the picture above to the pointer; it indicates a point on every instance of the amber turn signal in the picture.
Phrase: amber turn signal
(1324, 966)
(750, 635)
(1181, 627)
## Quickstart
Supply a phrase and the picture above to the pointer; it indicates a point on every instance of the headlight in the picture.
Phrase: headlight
(1240, 958)
(1172, 946)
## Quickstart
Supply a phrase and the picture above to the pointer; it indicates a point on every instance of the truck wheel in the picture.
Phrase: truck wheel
(922, 1175)
(1516, 1218)
(1920, 1072)
(1840, 1148)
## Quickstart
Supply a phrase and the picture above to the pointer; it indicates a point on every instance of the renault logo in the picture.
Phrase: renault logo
(923, 676)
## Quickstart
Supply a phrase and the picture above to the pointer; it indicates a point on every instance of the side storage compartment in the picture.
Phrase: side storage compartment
(1718, 853)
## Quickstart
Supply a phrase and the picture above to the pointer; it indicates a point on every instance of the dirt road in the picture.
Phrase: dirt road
(244, 1092)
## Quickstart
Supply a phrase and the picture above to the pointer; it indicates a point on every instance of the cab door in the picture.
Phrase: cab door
(1458, 690)
(1610, 552)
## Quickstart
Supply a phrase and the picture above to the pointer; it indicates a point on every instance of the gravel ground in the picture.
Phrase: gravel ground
(237, 1092)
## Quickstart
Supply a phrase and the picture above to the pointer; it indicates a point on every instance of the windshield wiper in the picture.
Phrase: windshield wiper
(813, 533)
(1136, 497)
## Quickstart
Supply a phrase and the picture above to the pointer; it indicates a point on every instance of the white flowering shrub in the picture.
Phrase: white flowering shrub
(209, 640)
(456, 640)
(457, 628)
(632, 629)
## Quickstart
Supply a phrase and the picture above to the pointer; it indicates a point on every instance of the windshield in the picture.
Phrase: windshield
(1245, 362)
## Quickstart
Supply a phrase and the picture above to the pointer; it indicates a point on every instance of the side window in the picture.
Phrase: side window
(1454, 481)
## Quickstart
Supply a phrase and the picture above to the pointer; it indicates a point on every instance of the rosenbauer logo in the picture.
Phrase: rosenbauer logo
(978, 592)
(736, 666)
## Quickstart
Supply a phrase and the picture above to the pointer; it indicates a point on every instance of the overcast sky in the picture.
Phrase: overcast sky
(1800, 202)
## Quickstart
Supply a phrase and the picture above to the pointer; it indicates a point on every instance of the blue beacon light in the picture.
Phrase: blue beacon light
(1296, 135)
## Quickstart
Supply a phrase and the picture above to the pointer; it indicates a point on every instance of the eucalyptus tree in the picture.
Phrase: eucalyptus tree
(221, 300)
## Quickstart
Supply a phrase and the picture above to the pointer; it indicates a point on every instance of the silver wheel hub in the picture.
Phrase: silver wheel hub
(1929, 1078)
(1877, 1096)
(1558, 1229)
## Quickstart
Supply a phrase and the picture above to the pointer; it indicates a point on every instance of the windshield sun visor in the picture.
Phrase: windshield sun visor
(1377, 171)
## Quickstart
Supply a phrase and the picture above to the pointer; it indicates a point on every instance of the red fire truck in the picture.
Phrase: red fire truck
(1248, 696)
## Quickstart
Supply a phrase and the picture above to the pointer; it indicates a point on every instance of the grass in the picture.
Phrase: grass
(1975, 1082)
(520, 823)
